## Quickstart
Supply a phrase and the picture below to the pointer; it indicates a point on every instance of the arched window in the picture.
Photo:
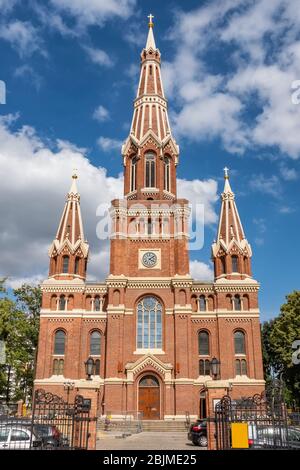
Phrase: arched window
(97, 303)
(95, 343)
(133, 174)
(203, 343)
(202, 303)
(53, 302)
(167, 174)
(149, 381)
(240, 367)
(150, 170)
(237, 367)
(204, 367)
(149, 323)
(97, 367)
(59, 342)
(58, 367)
(235, 264)
(76, 268)
(65, 264)
(150, 227)
(223, 265)
(239, 342)
(237, 302)
(62, 302)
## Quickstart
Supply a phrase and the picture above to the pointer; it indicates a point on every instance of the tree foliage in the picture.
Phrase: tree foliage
(278, 336)
(19, 327)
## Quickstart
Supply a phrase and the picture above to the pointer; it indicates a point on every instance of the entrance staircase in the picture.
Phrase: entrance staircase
(163, 426)
(135, 426)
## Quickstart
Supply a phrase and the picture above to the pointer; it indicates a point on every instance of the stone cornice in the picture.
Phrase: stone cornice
(236, 288)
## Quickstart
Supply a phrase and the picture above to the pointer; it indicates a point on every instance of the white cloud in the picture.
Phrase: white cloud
(34, 182)
(200, 192)
(22, 36)
(201, 271)
(286, 210)
(101, 114)
(260, 41)
(7, 5)
(95, 12)
(288, 174)
(27, 72)
(98, 56)
(108, 144)
(267, 185)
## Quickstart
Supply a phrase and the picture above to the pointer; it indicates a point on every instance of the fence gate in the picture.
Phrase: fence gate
(70, 421)
(265, 415)
(54, 424)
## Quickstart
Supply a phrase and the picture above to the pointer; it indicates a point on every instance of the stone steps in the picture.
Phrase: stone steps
(163, 426)
(144, 426)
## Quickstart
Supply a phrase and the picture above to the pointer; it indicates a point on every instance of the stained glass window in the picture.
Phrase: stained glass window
(149, 323)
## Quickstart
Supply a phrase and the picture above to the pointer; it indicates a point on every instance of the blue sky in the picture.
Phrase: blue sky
(71, 70)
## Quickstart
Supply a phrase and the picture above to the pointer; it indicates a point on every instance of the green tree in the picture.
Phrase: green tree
(19, 326)
(278, 337)
(267, 351)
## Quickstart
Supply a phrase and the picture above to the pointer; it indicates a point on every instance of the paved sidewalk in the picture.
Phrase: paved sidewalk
(148, 441)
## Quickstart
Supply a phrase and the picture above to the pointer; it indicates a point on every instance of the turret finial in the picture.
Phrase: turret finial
(226, 175)
(74, 175)
(150, 24)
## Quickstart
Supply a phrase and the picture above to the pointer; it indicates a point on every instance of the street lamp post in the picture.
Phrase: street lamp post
(89, 368)
(215, 367)
(68, 386)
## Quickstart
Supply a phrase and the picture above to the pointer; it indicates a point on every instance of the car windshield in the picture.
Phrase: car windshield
(43, 430)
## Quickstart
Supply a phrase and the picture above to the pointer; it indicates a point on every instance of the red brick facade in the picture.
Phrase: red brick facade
(189, 322)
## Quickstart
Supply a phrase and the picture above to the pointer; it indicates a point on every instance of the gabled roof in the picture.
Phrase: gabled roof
(230, 230)
(70, 234)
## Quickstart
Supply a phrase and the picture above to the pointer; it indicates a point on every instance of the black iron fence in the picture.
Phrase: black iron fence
(264, 419)
(53, 424)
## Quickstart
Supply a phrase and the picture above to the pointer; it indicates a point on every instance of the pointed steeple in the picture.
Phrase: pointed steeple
(231, 251)
(69, 251)
(150, 40)
(150, 121)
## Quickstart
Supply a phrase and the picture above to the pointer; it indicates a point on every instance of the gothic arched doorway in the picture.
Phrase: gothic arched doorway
(149, 397)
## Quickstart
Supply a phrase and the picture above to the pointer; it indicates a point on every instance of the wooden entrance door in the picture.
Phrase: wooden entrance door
(149, 397)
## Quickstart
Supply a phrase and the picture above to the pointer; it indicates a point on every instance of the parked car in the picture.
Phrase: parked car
(263, 437)
(18, 438)
(48, 434)
(198, 433)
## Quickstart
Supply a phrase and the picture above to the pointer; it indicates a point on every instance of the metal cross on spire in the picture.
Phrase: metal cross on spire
(226, 175)
(150, 20)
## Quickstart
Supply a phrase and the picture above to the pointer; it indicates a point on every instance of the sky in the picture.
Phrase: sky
(230, 71)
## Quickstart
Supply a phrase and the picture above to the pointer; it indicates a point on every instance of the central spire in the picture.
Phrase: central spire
(150, 40)
(150, 133)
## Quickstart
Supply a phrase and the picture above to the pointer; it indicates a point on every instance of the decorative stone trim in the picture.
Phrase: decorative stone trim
(236, 288)
(62, 288)
(99, 320)
(56, 320)
(203, 289)
(99, 289)
(238, 320)
(149, 285)
(155, 239)
(133, 369)
(204, 320)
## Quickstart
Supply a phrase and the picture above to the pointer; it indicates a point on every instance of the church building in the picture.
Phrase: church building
(161, 344)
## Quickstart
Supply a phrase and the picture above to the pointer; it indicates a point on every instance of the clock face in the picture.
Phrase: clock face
(149, 259)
